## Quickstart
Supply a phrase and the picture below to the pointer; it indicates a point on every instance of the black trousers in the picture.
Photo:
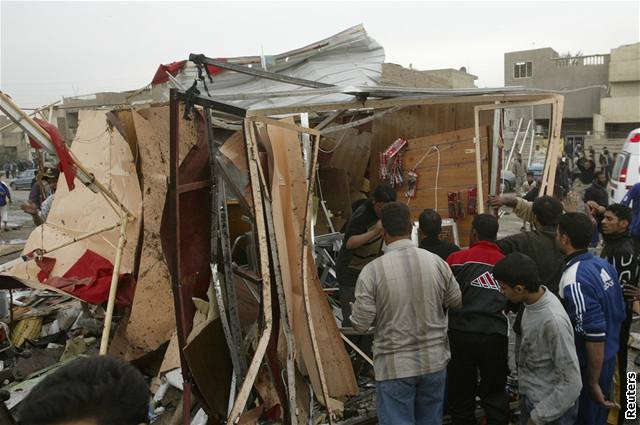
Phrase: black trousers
(474, 354)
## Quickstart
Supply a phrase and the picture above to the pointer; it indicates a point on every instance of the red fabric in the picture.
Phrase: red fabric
(66, 164)
(89, 279)
(174, 67)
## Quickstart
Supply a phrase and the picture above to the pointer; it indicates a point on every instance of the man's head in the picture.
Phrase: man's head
(88, 391)
(382, 194)
(575, 232)
(547, 210)
(617, 219)
(396, 221)
(519, 156)
(430, 223)
(530, 177)
(51, 175)
(517, 275)
(484, 228)
(600, 179)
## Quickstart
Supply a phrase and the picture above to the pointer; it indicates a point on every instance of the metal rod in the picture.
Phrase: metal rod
(356, 349)
(524, 137)
(255, 72)
(515, 141)
(113, 289)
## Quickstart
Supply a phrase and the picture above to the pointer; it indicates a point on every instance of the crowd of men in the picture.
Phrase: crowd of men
(440, 313)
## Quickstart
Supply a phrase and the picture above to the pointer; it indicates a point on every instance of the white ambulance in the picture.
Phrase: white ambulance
(626, 170)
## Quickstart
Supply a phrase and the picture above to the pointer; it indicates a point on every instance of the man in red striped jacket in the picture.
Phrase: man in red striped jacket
(478, 331)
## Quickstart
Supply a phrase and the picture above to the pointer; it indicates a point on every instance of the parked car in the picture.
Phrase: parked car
(24, 179)
(508, 181)
(625, 170)
(537, 169)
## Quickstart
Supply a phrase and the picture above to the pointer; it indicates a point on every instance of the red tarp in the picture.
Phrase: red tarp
(174, 67)
(66, 163)
(88, 279)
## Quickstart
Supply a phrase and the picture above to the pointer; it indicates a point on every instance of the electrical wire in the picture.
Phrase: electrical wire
(344, 133)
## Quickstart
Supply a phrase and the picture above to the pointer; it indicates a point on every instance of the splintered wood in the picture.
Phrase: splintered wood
(152, 319)
(288, 191)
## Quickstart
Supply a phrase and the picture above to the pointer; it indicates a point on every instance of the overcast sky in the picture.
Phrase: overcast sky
(53, 49)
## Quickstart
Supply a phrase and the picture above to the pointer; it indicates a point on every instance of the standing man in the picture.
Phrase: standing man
(478, 331)
(593, 299)
(597, 194)
(430, 229)
(618, 251)
(519, 169)
(362, 244)
(5, 199)
(632, 199)
(404, 293)
(549, 373)
(527, 187)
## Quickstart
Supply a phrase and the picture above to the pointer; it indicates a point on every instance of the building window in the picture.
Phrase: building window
(522, 69)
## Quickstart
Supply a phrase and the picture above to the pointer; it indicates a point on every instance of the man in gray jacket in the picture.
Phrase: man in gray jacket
(548, 368)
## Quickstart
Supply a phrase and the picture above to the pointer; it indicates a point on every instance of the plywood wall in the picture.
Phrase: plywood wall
(457, 172)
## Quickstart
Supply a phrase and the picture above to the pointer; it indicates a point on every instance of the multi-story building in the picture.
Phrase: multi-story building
(601, 91)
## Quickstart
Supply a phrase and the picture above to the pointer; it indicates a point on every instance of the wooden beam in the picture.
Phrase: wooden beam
(390, 103)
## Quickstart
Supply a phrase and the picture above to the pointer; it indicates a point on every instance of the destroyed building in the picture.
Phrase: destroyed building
(211, 224)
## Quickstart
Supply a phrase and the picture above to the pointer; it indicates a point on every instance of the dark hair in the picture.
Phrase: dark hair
(529, 173)
(384, 193)
(578, 228)
(101, 388)
(621, 211)
(486, 226)
(396, 219)
(547, 210)
(518, 269)
(430, 222)
(598, 174)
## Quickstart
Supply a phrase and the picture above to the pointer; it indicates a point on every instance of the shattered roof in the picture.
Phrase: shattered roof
(349, 58)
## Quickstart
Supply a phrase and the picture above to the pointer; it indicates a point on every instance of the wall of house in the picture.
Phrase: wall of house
(550, 72)
(397, 75)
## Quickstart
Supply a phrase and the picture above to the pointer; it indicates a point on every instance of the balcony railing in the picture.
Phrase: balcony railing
(591, 60)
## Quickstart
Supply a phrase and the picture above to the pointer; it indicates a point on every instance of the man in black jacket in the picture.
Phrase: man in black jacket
(430, 229)
(478, 331)
(540, 243)
(618, 250)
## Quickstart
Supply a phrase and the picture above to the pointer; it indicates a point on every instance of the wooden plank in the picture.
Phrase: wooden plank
(289, 186)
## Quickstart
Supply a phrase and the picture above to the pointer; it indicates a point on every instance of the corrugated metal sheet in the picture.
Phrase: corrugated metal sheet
(350, 58)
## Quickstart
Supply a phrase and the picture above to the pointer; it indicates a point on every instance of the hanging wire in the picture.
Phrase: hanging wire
(344, 133)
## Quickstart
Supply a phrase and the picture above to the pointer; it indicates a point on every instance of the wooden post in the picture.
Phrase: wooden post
(108, 318)
(480, 203)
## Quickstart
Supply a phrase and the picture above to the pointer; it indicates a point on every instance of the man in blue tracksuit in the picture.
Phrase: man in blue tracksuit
(592, 296)
(632, 199)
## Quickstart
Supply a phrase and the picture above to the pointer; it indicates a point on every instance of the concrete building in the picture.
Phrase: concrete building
(602, 92)
(13, 145)
(397, 75)
(620, 110)
(585, 78)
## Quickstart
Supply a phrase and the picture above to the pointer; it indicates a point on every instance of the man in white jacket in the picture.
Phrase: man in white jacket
(548, 368)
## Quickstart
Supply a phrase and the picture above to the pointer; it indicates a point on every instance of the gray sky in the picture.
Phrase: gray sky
(69, 48)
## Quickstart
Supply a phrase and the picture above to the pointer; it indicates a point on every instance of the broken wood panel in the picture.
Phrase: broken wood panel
(233, 148)
(289, 187)
(353, 156)
(419, 121)
(152, 319)
(210, 363)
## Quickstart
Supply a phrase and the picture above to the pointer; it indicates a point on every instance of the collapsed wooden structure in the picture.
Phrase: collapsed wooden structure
(297, 334)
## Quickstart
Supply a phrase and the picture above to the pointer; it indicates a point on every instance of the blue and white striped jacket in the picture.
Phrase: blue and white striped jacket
(592, 296)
